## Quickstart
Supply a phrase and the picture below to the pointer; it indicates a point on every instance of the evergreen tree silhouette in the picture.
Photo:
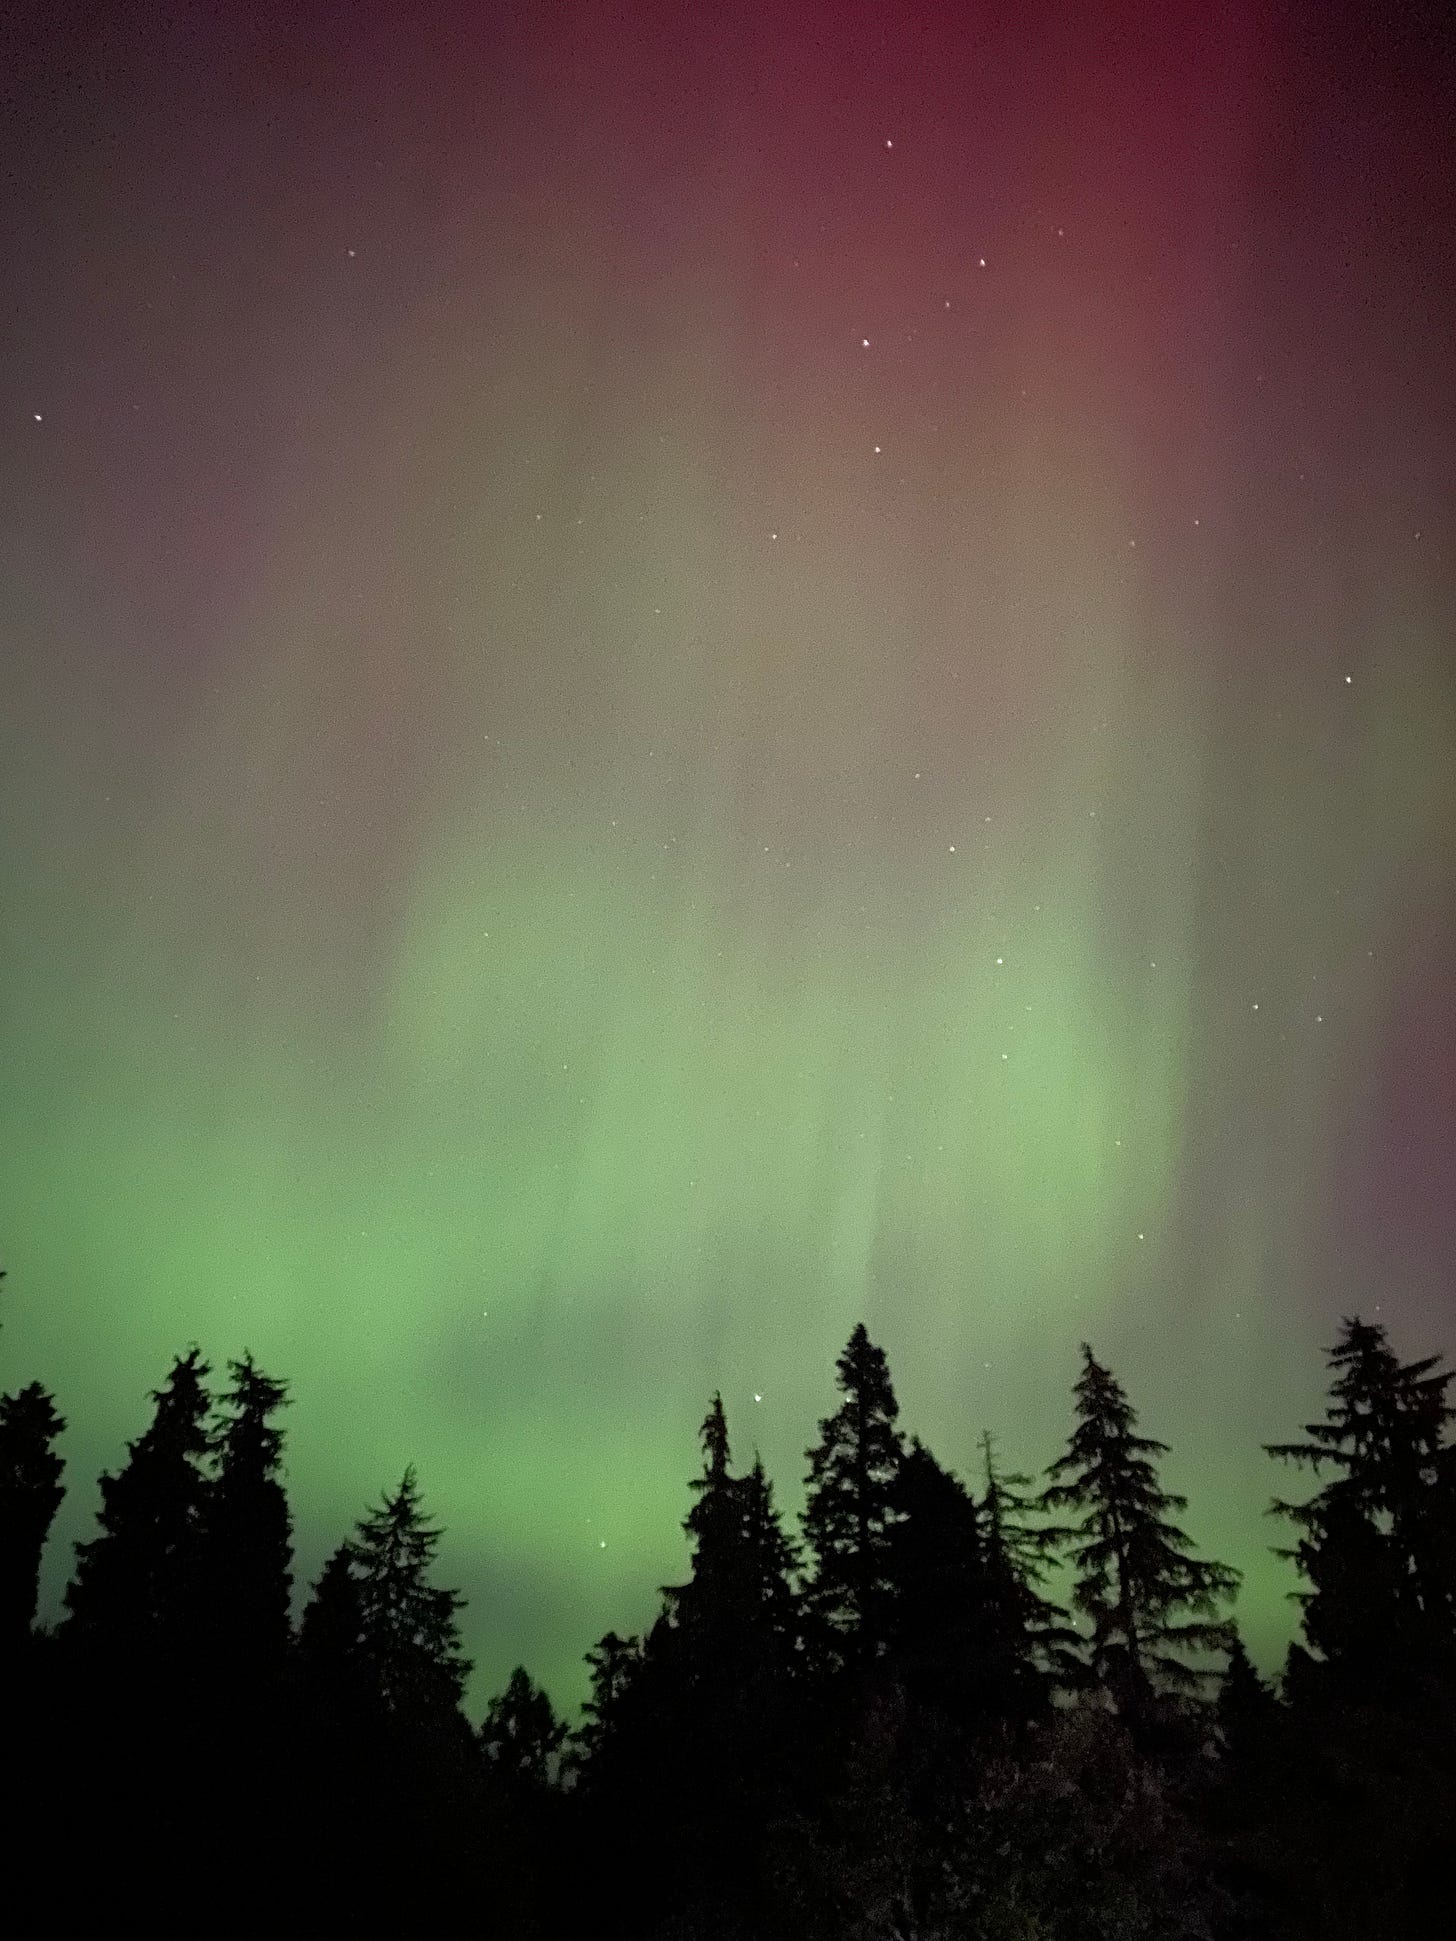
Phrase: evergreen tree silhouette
(1147, 1599)
(528, 1818)
(136, 1588)
(341, 1724)
(520, 1735)
(712, 1703)
(715, 1525)
(30, 1494)
(249, 1530)
(941, 1615)
(1374, 1542)
(850, 1512)
(1043, 1648)
(733, 1624)
(330, 1635)
(409, 1632)
(1246, 1709)
(615, 1664)
(772, 1568)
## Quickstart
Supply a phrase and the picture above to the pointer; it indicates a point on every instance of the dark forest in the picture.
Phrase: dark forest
(1002, 1709)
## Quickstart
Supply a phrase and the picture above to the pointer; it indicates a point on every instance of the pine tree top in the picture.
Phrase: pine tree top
(1149, 1601)
(714, 1438)
(30, 1415)
(244, 1437)
(1379, 1408)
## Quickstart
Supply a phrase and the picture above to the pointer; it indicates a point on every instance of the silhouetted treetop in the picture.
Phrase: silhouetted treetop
(30, 1494)
(849, 1510)
(137, 1583)
(1149, 1602)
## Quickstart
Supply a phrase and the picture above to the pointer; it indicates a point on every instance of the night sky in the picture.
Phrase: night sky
(676, 675)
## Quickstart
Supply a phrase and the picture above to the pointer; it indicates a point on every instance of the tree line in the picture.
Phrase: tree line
(886, 1725)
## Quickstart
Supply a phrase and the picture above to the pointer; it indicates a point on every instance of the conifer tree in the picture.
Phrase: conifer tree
(850, 1511)
(940, 1610)
(1246, 1709)
(615, 1664)
(1374, 1542)
(137, 1583)
(706, 1724)
(30, 1495)
(1148, 1600)
(409, 1632)
(715, 1525)
(330, 1638)
(249, 1530)
(772, 1565)
(1044, 1649)
(521, 1735)
(733, 1623)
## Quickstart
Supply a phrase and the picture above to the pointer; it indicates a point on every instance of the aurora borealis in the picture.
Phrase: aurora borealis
(675, 676)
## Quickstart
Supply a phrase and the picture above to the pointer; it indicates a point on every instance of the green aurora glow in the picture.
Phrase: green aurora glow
(562, 877)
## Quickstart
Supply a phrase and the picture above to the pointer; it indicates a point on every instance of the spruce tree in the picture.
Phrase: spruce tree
(409, 1632)
(1147, 1599)
(330, 1659)
(714, 1523)
(30, 1495)
(1246, 1710)
(615, 1664)
(137, 1584)
(940, 1610)
(249, 1530)
(1374, 1543)
(849, 1512)
(521, 1735)
(1042, 1647)
(732, 1625)
(772, 1565)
